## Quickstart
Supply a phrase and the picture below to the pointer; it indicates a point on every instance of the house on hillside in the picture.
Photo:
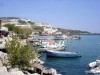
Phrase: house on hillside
(11, 21)
(16, 22)
(50, 30)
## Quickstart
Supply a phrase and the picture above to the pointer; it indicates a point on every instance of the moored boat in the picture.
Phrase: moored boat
(51, 53)
(52, 44)
(94, 67)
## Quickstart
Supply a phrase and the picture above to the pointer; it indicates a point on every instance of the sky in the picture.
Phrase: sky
(68, 14)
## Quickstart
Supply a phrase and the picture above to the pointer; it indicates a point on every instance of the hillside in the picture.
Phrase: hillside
(23, 21)
(66, 31)
(40, 25)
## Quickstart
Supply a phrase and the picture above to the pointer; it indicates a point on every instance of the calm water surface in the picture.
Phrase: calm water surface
(88, 46)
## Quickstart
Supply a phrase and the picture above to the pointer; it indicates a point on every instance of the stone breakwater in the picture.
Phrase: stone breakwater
(37, 64)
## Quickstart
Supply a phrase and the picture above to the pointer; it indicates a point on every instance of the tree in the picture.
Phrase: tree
(19, 54)
(18, 30)
(10, 27)
(31, 23)
(27, 31)
(38, 28)
(22, 22)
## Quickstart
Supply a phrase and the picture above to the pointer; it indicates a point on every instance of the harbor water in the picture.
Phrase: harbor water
(89, 48)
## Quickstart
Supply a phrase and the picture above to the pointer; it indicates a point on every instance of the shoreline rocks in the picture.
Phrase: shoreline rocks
(37, 63)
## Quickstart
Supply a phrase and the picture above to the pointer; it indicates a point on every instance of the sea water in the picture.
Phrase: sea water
(89, 48)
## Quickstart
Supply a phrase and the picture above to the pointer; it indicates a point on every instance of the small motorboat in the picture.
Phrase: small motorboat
(51, 53)
(94, 67)
(52, 44)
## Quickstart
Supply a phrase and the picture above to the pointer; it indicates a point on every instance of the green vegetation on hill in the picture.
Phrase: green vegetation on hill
(31, 23)
(18, 30)
(38, 28)
(22, 22)
(66, 31)
(10, 27)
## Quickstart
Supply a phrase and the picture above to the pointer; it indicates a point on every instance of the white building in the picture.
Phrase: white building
(42, 24)
(24, 26)
(3, 29)
(50, 30)
(11, 21)
(15, 21)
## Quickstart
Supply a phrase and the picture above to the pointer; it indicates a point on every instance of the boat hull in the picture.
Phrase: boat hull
(62, 55)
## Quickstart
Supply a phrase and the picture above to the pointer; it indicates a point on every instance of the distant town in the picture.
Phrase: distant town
(39, 27)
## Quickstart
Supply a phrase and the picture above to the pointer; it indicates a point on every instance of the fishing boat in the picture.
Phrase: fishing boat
(51, 53)
(52, 44)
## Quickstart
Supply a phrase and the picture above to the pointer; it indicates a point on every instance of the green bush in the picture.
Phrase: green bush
(22, 22)
(10, 27)
(18, 30)
(19, 54)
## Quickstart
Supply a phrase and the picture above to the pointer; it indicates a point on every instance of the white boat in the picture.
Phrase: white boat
(67, 37)
(61, 37)
(94, 67)
(52, 44)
